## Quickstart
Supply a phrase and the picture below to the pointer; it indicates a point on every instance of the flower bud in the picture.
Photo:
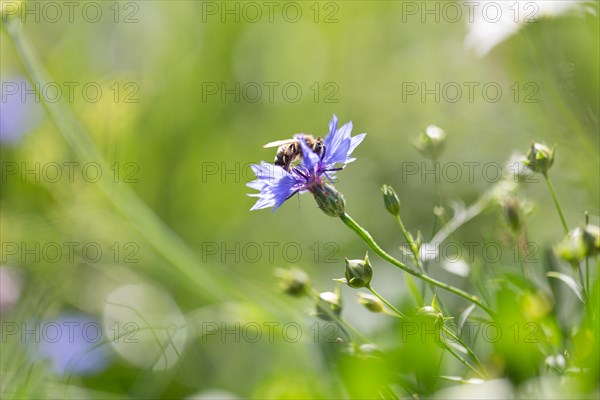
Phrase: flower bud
(579, 243)
(358, 273)
(556, 362)
(431, 314)
(329, 200)
(514, 211)
(572, 247)
(429, 311)
(540, 158)
(431, 142)
(294, 281)
(329, 305)
(371, 303)
(390, 199)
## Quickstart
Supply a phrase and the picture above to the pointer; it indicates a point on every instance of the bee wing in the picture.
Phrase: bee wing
(278, 143)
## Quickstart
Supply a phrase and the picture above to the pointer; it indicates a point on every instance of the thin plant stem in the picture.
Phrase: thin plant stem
(463, 361)
(524, 270)
(566, 229)
(415, 251)
(583, 288)
(366, 236)
(411, 243)
(587, 274)
(556, 203)
(387, 303)
(469, 350)
(587, 261)
(449, 333)
(436, 199)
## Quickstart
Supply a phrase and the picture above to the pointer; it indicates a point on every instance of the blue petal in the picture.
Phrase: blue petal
(282, 191)
(337, 145)
(273, 192)
(354, 142)
(333, 124)
(268, 172)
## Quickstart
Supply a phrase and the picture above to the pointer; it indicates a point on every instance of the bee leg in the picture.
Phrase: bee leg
(322, 152)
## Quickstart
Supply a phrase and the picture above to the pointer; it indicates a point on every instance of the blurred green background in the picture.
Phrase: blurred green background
(185, 151)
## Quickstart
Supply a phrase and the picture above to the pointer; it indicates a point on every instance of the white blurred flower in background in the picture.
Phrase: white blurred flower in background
(148, 327)
(11, 284)
(494, 21)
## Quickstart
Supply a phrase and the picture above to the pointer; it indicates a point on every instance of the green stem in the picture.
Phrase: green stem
(524, 269)
(583, 288)
(463, 361)
(415, 251)
(411, 242)
(366, 236)
(436, 199)
(587, 261)
(587, 274)
(402, 315)
(471, 353)
(566, 229)
(555, 199)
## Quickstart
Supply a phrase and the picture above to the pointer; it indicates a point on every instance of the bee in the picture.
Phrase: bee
(289, 150)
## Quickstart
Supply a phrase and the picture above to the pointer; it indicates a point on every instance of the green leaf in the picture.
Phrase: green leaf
(465, 315)
(414, 290)
(471, 381)
(569, 281)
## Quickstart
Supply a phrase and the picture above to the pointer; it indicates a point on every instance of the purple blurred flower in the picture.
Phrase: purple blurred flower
(276, 185)
(72, 343)
(19, 111)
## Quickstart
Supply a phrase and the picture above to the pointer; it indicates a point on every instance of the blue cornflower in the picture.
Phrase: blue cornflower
(276, 185)
(70, 344)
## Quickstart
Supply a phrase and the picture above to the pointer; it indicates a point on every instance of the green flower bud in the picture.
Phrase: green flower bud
(390, 199)
(431, 142)
(439, 211)
(329, 303)
(429, 311)
(515, 211)
(579, 243)
(371, 303)
(591, 238)
(432, 314)
(556, 362)
(293, 281)
(358, 273)
(329, 200)
(512, 213)
(433, 311)
(540, 158)
(572, 247)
